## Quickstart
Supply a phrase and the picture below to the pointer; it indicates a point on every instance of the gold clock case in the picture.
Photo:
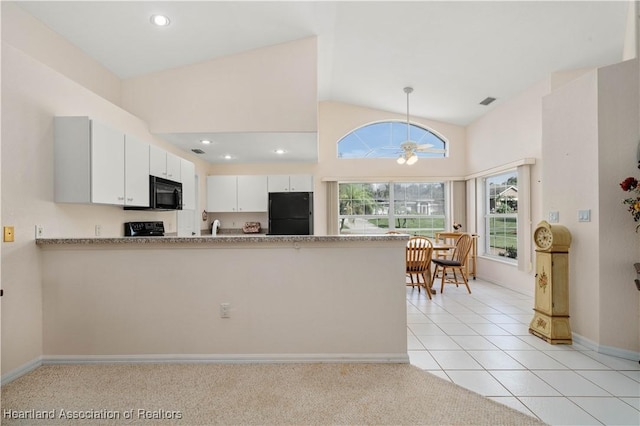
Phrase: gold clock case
(551, 312)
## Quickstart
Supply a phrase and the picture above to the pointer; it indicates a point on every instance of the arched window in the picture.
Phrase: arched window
(383, 140)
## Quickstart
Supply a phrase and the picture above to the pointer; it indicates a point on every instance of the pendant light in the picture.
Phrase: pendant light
(409, 156)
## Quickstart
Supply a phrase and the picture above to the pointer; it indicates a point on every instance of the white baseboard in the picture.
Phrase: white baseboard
(606, 350)
(399, 358)
(20, 371)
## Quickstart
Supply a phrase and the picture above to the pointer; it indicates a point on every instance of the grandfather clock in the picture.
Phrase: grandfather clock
(551, 312)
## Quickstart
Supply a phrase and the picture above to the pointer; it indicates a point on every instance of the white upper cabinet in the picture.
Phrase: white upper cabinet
(252, 194)
(188, 175)
(107, 164)
(237, 193)
(290, 183)
(173, 167)
(164, 164)
(136, 177)
(88, 162)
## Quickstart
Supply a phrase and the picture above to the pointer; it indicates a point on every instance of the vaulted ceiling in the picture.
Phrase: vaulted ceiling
(453, 53)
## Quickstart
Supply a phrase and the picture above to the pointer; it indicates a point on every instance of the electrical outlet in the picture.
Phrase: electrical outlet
(39, 231)
(225, 310)
(554, 217)
(98, 230)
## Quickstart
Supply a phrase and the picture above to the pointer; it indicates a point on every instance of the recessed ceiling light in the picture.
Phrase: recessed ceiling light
(280, 151)
(227, 157)
(205, 141)
(160, 20)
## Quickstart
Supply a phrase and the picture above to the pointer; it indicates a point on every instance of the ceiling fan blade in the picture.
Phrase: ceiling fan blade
(424, 147)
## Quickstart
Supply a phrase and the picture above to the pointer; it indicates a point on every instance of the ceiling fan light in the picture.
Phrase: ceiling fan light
(401, 160)
(160, 20)
(412, 160)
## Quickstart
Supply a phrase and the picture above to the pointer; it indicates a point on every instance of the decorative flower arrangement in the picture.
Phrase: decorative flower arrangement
(630, 184)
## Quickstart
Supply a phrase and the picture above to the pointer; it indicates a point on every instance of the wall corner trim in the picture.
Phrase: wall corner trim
(21, 371)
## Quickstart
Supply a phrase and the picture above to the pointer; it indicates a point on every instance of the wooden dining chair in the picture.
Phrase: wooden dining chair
(446, 238)
(457, 263)
(418, 262)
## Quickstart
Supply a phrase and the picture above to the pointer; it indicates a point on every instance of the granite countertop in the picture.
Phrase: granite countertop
(218, 239)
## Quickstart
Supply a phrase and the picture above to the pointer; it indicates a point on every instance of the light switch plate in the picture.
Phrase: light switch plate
(584, 215)
(554, 217)
(8, 234)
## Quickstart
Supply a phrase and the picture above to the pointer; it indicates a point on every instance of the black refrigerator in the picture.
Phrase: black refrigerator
(291, 213)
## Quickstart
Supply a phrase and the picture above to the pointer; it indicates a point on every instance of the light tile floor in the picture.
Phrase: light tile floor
(481, 341)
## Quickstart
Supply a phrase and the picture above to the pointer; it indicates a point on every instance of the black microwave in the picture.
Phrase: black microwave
(164, 194)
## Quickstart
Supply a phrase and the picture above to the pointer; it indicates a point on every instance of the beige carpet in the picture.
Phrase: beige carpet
(265, 394)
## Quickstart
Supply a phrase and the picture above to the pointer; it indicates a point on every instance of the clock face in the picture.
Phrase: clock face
(543, 238)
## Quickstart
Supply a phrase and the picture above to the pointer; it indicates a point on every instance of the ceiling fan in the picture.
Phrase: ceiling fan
(410, 148)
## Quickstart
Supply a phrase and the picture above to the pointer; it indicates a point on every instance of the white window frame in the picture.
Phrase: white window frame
(476, 209)
(488, 216)
(391, 216)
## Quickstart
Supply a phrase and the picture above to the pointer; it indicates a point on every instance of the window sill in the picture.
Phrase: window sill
(513, 263)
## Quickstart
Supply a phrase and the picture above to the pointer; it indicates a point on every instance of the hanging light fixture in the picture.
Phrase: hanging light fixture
(409, 155)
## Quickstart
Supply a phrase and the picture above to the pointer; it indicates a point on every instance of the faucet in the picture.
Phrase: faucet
(215, 227)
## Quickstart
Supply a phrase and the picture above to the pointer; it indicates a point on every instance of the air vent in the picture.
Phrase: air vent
(197, 151)
(487, 101)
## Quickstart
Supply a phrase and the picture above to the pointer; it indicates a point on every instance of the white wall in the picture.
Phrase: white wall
(32, 94)
(570, 150)
(509, 133)
(26, 33)
(273, 89)
(312, 300)
(590, 137)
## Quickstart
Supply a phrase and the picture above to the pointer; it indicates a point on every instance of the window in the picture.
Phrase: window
(501, 215)
(382, 140)
(374, 208)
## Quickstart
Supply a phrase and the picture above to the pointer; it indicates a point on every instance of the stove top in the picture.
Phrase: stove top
(144, 229)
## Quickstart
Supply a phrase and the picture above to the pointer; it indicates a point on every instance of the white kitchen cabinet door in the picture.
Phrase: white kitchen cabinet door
(136, 177)
(188, 175)
(222, 195)
(301, 183)
(253, 195)
(278, 183)
(290, 183)
(173, 167)
(157, 162)
(164, 164)
(107, 164)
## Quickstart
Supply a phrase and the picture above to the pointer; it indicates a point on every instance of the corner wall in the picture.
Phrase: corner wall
(507, 134)
(590, 138)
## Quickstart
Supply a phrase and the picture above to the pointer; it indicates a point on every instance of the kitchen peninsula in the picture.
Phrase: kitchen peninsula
(230, 298)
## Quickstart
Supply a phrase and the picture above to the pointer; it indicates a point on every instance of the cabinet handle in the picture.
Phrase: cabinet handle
(120, 198)
(129, 199)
